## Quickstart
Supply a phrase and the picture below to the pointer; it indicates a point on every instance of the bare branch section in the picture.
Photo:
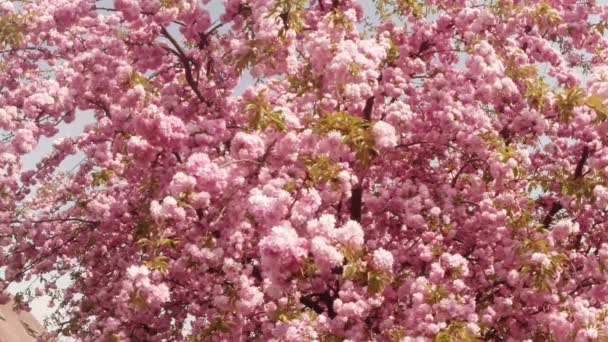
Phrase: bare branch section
(557, 206)
(186, 63)
(70, 219)
(463, 168)
(356, 201)
(578, 173)
(321, 302)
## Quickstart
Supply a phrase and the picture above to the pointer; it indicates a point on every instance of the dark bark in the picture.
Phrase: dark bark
(578, 173)
(320, 302)
(549, 217)
(356, 202)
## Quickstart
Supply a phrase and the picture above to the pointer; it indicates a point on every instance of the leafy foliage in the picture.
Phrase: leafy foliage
(102, 177)
(456, 332)
(568, 100)
(357, 270)
(12, 28)
(356, 133)
(546, 15)
(258, 50)
(321, 169)
(290, 13)
(386, 8)
(216, 325)
(262, 114)
(159, 263)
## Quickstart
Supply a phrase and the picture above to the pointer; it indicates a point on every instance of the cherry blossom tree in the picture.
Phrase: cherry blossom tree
(433, 171)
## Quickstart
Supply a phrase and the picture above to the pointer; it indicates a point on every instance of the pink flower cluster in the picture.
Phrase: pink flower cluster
(430, 171)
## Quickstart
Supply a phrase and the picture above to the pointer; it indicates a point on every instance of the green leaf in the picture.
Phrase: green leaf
(143, 242)
(340, 20)
(321, 169)
(259, 50)
(516, 72)
(262, 114)
(393, 51)
(143, 230)
(102, 177)
(536, 92)
(354, 269)
(351, 272)
(568, 100)
(435, 293)
(166, 4)
(308, 269)
(376, 282)
(167, 242)
(356, 133)
(386, 8)
(457, 331)
(290, 186)
(596, 102)
(333, 338)
(136, 78)
(159, 263)
(184, 198)
(285, 314)
(138, 300)
(352, 255)
(396, 334)
(290, 14)
(12, 28)
(304, 81)
(217, 325)
(546, 15)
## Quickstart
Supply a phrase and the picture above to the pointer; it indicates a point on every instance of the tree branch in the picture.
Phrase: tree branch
(356, 202)
(179, 52)
(367, 111)
(578, 173)
(461, 170)
(549, 217)
(319, 302)
(70, 219)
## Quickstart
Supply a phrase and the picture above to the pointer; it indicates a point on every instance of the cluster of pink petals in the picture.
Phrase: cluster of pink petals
(432, 171)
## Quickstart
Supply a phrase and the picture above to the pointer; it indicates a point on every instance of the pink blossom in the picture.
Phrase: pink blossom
(247, 146)
(326, 255)
(350, 234)
(168, 209)
(281, 251)
(601, 194)
(25, 141)
(269, 203)
(385, 135)
(181, 183)
(540, 259)
(189, 202)
(383, 260)
(250, 296)
(563, 228)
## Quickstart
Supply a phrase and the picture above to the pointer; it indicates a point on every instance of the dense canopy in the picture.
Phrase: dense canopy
(399, 171)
